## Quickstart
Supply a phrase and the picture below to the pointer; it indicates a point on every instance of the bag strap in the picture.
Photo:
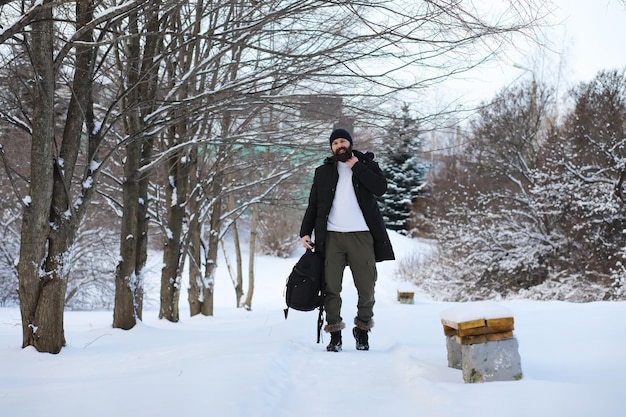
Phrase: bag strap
(320, 317)
(320, 323)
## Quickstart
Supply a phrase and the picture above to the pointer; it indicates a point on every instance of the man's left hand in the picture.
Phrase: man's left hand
(352, 161)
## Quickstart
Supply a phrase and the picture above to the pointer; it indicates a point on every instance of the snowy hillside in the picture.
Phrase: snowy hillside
(256, 364)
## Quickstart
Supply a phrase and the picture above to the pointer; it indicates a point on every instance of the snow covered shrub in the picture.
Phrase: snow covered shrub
(492, 255)
(9, 252)
(91, 282)
(545, 245)
(567, 287)
(432, 275)
(532, 212)
(618, 276)
(421, 224)
(278, 233)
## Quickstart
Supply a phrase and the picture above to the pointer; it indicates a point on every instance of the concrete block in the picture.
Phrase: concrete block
(454, 352)
(491, 361)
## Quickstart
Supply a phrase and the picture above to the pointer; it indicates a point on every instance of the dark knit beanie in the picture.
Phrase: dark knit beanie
(340, 133)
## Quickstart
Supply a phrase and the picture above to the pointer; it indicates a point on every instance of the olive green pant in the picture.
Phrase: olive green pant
(356, 250)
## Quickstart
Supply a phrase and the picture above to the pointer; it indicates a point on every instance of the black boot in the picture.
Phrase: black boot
(362, 340)
(335, 342)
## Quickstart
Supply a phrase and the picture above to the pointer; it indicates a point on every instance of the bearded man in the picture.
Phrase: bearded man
(349, 230)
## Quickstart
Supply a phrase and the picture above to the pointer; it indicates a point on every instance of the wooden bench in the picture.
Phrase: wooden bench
(406, 297)
(480, 342)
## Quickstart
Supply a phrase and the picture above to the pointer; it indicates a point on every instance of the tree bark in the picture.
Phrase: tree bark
(199, 298)
(254, 226)
(195, 260)
(142, 75)
(238, 281)
(126, 312)
(238, 262)
(212, 251)
(39, 328)
(176, 197)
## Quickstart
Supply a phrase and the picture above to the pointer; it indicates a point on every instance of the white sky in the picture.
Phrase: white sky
(591, 36)
(594, 32)
(587, 36)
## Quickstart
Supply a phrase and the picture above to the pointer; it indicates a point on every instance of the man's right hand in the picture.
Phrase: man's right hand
(307, 243)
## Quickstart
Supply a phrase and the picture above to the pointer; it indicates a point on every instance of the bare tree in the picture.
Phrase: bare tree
(42, 320)
(65, 162)
(138, 63)
(242, 58)
(259, 55)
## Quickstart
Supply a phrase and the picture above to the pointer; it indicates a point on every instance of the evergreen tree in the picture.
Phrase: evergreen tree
(404, 170)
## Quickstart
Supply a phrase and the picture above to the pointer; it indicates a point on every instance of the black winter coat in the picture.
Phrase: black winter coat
(368, 181)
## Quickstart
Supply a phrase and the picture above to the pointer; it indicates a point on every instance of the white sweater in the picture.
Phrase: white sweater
(345, 213)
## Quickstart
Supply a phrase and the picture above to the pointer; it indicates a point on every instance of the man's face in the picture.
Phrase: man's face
(341, 146)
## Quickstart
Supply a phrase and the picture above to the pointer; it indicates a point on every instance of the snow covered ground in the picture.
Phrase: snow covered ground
(257, 364)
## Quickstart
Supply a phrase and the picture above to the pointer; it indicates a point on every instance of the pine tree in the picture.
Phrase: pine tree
(404, 170)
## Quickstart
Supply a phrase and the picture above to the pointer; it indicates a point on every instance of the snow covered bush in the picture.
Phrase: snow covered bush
(9, 249)
(278, 234)
(91, 282)
(533, 209)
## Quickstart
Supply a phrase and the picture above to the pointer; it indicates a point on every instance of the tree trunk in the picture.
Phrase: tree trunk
(201, 252)
(239, 269)
(175, 199)
(141, 72)
(212, 251)
(141, 254)
(195, 263)
(39, 328)
(64, 218)
(125, 312)
(254, 225)
(194, 253)
(238, 263)
(133, 240)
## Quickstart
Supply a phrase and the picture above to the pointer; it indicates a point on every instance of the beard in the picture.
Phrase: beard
(343, 154)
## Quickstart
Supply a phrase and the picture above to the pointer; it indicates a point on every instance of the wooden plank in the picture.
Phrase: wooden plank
(483, 338)
(485, 330)
(471, 340)
(499, 336)
(503, 321)
(471, 324)
(449, 331)
(464, 325)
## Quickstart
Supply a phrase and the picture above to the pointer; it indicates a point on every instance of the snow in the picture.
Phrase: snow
(475, 311)
(256, 363)
(94, 165)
